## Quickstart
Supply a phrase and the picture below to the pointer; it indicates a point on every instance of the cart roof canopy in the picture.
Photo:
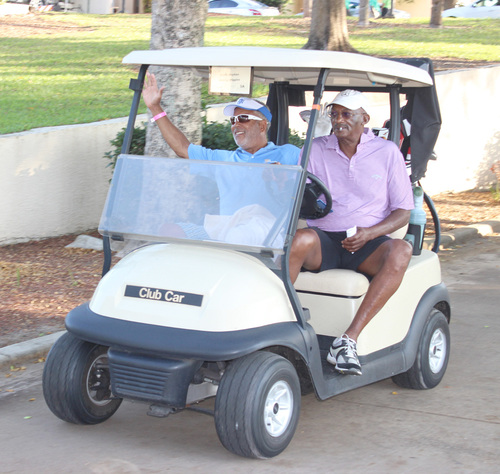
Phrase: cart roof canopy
(296, 66)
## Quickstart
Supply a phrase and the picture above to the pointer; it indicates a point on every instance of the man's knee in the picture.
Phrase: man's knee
(392, 255)
(399, 254)
(305, 240)
(306, 247)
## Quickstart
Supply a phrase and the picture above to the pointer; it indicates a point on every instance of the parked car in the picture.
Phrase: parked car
(48, 5)
(241, 7)
(478, 9)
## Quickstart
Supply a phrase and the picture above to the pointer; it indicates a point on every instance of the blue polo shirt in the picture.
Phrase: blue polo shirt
(271, 153)
(236, 188)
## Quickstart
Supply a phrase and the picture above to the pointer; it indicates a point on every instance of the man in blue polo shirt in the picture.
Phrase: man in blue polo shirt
(242, 194)
(250, 121)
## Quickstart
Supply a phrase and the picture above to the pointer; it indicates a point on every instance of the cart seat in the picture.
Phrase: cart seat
(333, 282)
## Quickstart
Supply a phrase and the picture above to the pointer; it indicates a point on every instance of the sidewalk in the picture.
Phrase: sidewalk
(28, 351)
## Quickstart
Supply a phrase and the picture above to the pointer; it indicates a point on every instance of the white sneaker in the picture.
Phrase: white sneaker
(343, 356)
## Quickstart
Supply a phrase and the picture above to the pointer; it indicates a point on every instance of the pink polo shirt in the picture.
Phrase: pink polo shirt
(366, 188)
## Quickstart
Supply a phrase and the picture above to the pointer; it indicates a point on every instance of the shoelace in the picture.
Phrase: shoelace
(350, 346)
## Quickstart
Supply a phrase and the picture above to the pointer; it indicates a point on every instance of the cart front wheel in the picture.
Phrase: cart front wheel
(257, 405)
(77, 382)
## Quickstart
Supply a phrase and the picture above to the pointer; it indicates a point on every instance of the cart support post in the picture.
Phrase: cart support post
(282, 96)
(136, 86)
(294, 300)
(395, 114)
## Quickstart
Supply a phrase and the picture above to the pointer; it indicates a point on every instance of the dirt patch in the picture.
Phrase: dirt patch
(463, 209)
(41, 281)
(22, 26)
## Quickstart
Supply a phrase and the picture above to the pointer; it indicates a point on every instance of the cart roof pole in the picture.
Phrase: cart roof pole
(318, 94)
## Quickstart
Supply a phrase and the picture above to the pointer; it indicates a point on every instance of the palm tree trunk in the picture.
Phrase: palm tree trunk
(329, 26)
(177, 24)
(436, 11)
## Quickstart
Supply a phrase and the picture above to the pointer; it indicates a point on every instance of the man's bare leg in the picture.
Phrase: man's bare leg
(387, 266)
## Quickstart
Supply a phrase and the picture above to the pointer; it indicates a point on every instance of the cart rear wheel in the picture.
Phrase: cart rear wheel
(77, 383)
(432, 356)
(257, 405)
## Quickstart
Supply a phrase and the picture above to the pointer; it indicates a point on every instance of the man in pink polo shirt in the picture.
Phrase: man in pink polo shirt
(372, 197)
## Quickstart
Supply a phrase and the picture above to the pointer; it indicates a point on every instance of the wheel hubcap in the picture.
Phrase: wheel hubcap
(98, 381)
(278, 408)
(437, 351)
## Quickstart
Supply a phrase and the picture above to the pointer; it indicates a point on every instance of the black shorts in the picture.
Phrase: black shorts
(336, 256)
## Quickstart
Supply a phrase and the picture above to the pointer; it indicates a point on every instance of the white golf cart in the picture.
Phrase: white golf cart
(205, 306)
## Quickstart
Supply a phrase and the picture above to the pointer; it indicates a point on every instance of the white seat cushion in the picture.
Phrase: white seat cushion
(333, 282)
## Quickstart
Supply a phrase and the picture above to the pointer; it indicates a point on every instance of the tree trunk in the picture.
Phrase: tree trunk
(436, 11)
(449, 4)
(329, 26)
(364, 13)
(307, 8)
(177, 24)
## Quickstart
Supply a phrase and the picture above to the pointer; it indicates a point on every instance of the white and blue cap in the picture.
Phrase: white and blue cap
(248, 104)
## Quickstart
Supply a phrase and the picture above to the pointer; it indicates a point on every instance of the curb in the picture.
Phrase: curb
(464, 234)
(27, 351)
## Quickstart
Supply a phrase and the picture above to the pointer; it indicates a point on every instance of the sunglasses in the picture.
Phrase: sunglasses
(243, 118)
(344, 114)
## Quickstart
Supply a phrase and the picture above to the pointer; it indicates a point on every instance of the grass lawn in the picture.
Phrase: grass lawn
(59, 69)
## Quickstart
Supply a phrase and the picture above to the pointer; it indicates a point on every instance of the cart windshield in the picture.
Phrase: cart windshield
(245, 206)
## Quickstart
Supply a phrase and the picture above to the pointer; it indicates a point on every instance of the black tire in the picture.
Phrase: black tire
(257, 406)
(432, 356)
(77, 383)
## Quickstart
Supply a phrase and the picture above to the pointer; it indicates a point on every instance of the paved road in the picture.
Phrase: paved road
(381, 428)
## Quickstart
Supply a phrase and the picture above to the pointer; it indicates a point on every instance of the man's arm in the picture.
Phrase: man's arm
(172, 135)
(394, 221)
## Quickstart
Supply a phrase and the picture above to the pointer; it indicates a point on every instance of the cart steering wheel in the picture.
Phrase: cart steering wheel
(312, 207)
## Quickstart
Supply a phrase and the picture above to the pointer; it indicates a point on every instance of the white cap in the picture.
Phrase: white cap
(352, 100)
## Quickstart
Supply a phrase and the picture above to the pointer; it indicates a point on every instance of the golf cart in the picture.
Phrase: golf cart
(204, 307)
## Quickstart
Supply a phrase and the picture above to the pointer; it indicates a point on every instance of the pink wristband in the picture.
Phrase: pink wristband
(156, 117)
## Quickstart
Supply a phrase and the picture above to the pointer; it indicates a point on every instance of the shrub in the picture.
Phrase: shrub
(217, 136)
(136, 147)
(274, 3)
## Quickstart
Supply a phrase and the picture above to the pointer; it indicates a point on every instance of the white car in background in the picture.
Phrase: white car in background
(241, 7)
(478, 9)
